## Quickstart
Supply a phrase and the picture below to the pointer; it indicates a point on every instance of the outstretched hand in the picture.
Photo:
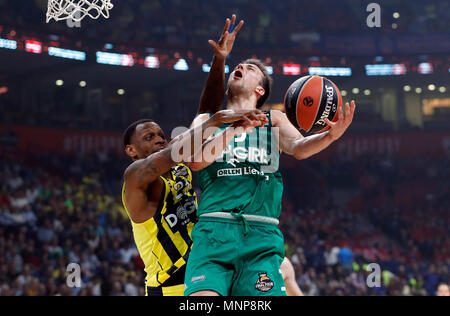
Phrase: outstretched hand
(338, 128)
(231, 116)
(250, 120)
(225, 44)
(246, 119)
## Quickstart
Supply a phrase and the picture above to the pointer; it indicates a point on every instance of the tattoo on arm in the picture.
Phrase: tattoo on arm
(148, 170)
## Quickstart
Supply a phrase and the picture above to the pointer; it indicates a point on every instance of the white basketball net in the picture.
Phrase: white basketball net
(77, 10)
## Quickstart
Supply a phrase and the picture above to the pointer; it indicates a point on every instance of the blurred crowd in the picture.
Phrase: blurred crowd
(60, 214)
(195, 21)
(55, 211)
(396, 216)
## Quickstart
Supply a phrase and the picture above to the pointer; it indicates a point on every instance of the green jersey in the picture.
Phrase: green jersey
(246, 177)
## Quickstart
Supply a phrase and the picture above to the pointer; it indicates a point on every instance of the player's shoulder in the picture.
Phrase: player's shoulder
(130, 170)
(132, 178)
(133, 170)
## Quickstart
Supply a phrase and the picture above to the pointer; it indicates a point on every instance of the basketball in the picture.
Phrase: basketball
(311, 99)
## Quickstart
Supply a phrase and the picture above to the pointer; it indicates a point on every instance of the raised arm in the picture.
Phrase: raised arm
(213, 93)
(293, 143)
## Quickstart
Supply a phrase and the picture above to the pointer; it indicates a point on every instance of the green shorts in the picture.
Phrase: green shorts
(232, 262)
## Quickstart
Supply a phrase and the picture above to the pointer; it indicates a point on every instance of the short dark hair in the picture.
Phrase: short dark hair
(266, 81)
(129, 132)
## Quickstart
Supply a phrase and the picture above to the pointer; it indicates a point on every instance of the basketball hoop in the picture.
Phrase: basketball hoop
(76, 10)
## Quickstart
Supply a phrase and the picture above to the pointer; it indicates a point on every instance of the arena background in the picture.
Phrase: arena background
(378, 195)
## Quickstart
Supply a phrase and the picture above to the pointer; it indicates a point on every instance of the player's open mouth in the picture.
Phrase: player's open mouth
(237, 74)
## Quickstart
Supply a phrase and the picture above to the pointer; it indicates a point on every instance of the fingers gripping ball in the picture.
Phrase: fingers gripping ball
(310, 100)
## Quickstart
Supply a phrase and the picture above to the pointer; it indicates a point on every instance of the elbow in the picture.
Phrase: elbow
(302, 156)
(297, 154)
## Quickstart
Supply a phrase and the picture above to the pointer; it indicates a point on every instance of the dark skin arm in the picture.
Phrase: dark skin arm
(213, 93)
(142, 176)
(143, 185)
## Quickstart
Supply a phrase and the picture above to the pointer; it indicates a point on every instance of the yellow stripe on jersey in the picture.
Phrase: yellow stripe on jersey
(176, 290)
(164, 241)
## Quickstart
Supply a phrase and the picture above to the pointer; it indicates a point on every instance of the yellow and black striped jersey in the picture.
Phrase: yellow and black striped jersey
(164, 241)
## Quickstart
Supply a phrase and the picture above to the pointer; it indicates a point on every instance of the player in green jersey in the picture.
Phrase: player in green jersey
(238, 248)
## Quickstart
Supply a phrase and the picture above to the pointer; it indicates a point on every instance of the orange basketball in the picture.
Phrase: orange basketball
(310, 100)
